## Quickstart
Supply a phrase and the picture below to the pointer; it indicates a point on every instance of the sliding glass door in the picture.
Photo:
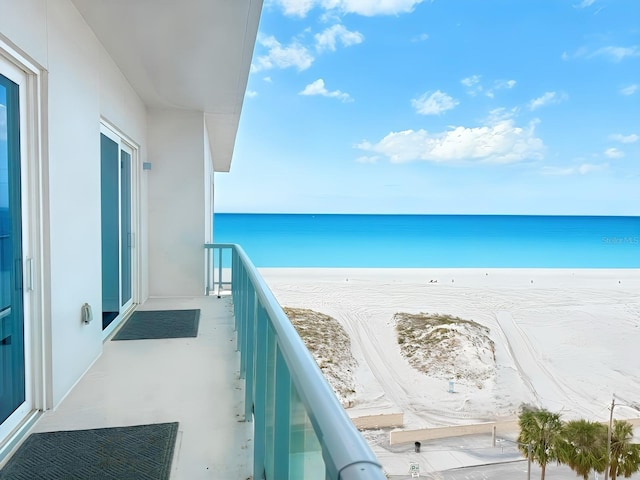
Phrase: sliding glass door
(13, 372)
(117, 235)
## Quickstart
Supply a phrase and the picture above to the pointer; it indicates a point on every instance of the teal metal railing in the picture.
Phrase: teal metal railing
(301, 430)
(217, 267)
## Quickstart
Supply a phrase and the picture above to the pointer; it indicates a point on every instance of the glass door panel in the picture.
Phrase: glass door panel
(12, 351)
(117, 242)
(125, 227)
(109, 193)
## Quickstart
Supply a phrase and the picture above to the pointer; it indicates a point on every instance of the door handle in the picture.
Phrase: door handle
(29, 274)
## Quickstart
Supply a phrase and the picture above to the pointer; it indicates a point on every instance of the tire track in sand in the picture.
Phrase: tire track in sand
(543, 385)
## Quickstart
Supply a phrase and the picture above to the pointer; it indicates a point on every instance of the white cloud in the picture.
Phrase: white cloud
(548, 98)
(433, 103)
(613, 153)
(296, 8)
(506, 84)
(502, 142)
(631, 138)
(582, 169)
(611, 52)
(251, 93)
(591, 167)
(268, 79)
(368, 8)
(471, 81)
(501, 114)
(420, 38)
(328, 38)
(368, 159)
(3, 123)
(318, 88)
(630, 90)
(585, 3)
(279, 56)
(617, 53)
(473, 85)
(498, 85)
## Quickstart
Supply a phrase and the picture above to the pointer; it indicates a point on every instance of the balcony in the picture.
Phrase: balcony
(248, 396)
(193, 381)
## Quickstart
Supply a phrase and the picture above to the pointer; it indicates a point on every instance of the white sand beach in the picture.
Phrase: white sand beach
(566, 340)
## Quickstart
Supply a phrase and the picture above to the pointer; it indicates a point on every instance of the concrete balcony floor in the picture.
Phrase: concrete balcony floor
(193, 381)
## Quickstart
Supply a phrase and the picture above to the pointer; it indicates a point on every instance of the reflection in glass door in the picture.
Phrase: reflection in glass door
(126, 240)
(117, 240)
(12, 342)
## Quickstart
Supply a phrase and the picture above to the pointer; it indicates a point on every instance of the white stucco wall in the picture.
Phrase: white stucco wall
(24, 23)
(208, 191)
(74, 206)
(177, 202)
(84, 85)
(122, 108)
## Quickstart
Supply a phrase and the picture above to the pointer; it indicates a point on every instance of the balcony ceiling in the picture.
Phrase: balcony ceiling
(185, 54)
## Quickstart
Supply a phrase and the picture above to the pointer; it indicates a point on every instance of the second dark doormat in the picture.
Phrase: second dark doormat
(156, 324)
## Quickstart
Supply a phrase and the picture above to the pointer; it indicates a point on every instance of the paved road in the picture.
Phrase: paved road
(501, 463)
(508, 471)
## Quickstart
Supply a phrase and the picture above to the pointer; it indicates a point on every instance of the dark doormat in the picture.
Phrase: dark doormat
(142, 452)
(147, 325)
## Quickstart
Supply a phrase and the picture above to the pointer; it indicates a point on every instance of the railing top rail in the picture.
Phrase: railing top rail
(349, 455)
(220, 245)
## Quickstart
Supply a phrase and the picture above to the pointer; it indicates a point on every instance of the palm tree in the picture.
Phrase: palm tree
(539, 430)
(625, 456)
(584, 447)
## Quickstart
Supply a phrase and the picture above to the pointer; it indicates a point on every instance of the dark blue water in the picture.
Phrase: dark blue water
(456, 241)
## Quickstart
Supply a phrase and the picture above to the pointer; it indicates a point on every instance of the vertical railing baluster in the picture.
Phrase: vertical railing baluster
(219, 271)
(250, 366)
(244, 333)
(282, 424)
(259, 415)
(239, 320)
(207, 255)
(270, 402)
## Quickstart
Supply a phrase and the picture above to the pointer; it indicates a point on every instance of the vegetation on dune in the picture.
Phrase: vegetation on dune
(445, 346)
(579, 444)
(330, 346)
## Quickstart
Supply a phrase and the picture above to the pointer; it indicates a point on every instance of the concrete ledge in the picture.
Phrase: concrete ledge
(406, 436)
(383, 420)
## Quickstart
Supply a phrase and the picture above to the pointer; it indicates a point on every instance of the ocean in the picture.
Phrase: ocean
(438, 241)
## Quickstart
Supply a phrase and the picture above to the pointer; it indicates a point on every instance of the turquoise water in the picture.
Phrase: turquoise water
(443, 241)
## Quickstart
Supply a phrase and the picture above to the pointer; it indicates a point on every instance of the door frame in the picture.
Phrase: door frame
(126, 143)
(37, 338)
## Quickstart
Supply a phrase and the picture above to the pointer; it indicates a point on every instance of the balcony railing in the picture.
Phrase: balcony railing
(300, 429)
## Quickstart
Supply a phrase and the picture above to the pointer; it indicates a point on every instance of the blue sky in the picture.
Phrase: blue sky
(441, 106)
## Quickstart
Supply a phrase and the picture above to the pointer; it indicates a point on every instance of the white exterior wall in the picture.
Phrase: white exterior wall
(208, 191)
(177, 202)
(83, 86)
